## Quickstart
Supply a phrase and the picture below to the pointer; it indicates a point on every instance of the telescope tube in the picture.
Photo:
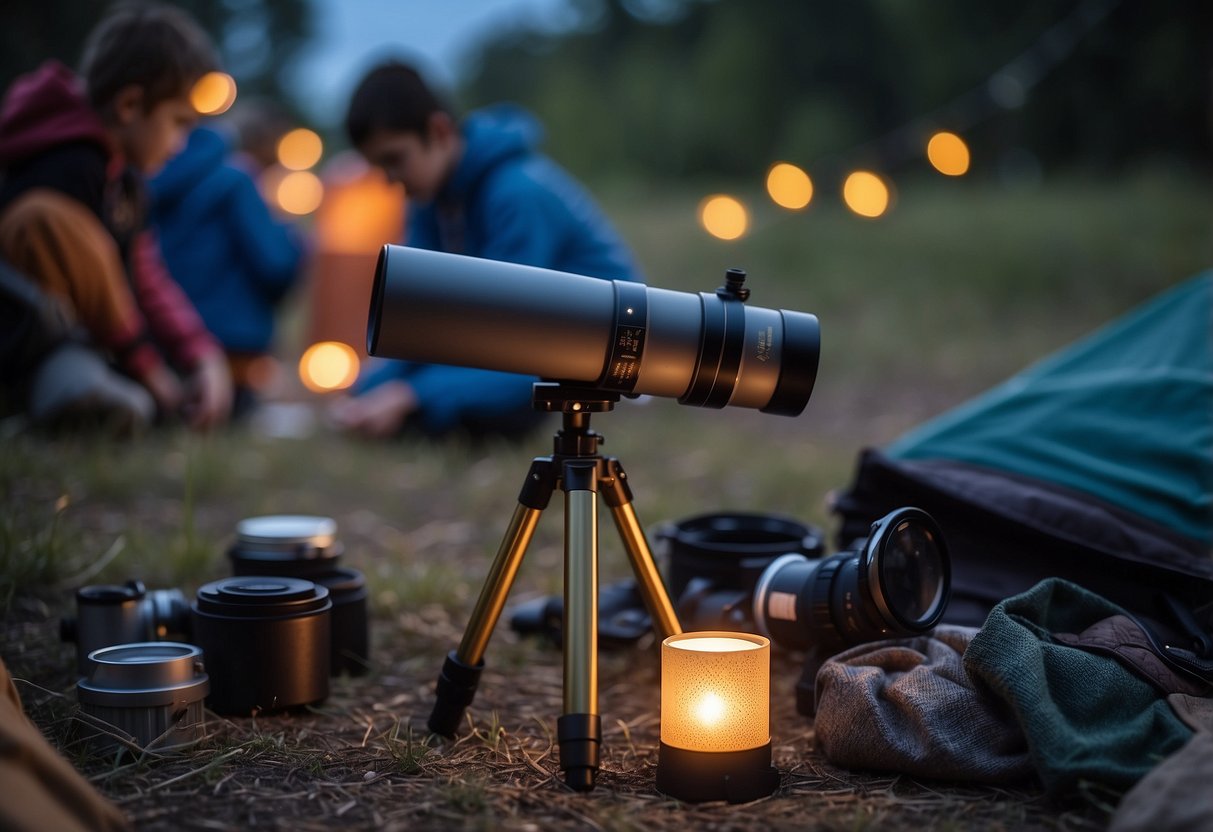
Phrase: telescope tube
(705, 349)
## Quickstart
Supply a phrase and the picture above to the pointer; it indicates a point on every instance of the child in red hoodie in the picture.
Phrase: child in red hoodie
(73, 151)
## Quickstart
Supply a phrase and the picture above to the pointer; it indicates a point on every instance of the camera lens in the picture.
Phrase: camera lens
(908, 573)
(896, 583)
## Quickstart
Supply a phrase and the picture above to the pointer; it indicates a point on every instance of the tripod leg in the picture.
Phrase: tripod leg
(618, 497)
(461, 670)
(579, 729)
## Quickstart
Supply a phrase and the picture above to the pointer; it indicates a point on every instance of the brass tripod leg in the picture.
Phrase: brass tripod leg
(648, 579)
(461, 671)
(498, 583)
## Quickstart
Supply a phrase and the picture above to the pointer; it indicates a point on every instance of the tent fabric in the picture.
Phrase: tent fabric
(1006, 532)
(1094, 465)
(1124, 415)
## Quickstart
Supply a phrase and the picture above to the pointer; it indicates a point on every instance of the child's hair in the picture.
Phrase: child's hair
(392, 96)
(160, 49)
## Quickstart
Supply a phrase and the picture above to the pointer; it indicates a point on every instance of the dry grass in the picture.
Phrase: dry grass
(361, 759)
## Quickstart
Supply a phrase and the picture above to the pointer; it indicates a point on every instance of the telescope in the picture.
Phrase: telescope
(707, 349)
(590, 341)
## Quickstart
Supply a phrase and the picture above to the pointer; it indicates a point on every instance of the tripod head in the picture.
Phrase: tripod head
(575, 404)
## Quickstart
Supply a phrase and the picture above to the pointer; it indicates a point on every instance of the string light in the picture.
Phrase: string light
(948, 154)
(299, 192)
(300, 149)
(213, 93)
(867, 194)
(789, 186)
(723, 217)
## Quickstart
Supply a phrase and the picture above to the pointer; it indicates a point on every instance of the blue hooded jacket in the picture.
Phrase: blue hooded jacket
(504, 201)
(233, 259)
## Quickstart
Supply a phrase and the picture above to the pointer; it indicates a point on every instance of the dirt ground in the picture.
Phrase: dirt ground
(360, 759)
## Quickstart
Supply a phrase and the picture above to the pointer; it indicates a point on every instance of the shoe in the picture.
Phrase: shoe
(74, 388)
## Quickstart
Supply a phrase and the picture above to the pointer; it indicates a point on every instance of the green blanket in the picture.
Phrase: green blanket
(1085, 716)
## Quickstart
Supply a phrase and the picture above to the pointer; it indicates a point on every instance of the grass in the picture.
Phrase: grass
(961, 286)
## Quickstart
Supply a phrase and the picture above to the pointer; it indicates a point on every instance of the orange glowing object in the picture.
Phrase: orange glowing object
(213, 93)
(300, 149)
(866, 194)
(328, 366)
(715, 691)
(949, 154)
(723, 217)
(299, 192)
(789, 186)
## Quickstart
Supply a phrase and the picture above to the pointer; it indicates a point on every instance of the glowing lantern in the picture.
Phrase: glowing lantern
(789, 186)
(300, 149)
(715, 717)
(329, 365)
(948, 153)
(723, 217)
(213, 93)
(866, 194)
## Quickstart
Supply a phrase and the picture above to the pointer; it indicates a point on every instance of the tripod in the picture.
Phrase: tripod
(577, 469)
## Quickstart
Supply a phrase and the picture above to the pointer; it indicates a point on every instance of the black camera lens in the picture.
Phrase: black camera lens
(896, 583)
(908, 574)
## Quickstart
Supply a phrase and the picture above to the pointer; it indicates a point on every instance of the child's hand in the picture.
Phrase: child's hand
(209, 393)
(378, 413)
(165, 388)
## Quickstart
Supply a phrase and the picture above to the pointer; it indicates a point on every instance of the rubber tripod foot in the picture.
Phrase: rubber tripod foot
(580, 737)
(455, 691)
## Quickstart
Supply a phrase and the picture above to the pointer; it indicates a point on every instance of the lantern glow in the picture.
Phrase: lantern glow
(715, 717)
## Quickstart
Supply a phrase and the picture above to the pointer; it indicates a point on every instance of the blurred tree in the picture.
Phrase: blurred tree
(256, 38)
(677, 88)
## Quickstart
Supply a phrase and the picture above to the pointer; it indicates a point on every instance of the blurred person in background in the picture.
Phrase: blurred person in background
(478, 187)
(73, 151)
(234, 259)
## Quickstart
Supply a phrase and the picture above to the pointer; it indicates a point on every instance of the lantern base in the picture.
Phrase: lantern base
(700, 776)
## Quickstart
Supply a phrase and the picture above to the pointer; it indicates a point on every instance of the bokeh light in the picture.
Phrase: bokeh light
(948, 153)
(789, 186)
(327, 366)
(299, 192)
(300, 149)
(723, 217)
(866, 194)
(213, 93)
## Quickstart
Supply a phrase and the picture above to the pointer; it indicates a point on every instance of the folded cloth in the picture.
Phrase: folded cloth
(1085, 716)
(907, 705)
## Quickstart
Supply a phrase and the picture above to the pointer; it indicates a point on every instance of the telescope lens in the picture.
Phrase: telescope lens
(896, 585)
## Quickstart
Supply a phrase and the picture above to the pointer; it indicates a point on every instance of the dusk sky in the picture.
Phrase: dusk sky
(435, 34)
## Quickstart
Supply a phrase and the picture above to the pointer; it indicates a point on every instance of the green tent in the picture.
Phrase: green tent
(1095, 464)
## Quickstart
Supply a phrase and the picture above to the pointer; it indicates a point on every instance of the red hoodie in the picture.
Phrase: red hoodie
(46, 112)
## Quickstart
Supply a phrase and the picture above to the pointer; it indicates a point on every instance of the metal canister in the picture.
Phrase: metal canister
(148, 693)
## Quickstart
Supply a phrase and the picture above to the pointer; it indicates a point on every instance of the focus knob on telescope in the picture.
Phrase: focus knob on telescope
(734, 286)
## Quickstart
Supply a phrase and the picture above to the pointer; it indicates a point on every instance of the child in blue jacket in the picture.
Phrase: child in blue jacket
(480, 188)
(233, 258)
